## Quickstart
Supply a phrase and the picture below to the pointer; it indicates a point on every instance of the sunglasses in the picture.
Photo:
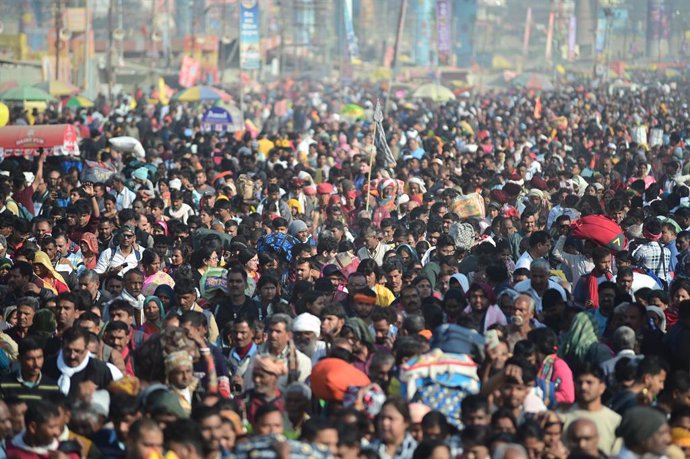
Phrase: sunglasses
(128, 236)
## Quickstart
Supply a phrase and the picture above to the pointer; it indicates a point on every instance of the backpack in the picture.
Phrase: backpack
(23, 211)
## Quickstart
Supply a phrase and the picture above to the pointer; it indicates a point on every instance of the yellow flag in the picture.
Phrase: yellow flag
(162, 92)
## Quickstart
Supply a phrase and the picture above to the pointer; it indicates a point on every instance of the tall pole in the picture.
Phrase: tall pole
(87, 31)
(396, 50)
(109, 52)
(58, 26)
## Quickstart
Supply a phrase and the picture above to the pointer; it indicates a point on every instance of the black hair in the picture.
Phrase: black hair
(40, 411)
(187, 432)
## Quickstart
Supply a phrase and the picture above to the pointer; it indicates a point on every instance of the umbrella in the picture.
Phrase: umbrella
(5, 85)
(57, 88)
(534, 81)
(79, 102)
(202, 93)
(353, 111)
(435, 92)
(279, 243)
(26, 93)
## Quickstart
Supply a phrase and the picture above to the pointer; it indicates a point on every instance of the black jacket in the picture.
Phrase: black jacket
(95, 371)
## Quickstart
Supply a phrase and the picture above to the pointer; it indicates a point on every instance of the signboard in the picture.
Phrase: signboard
(218, 119)
(443, 30)
(189, 72)
(250, 40)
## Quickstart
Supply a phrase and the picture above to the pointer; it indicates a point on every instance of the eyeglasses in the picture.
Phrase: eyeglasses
(129, 236)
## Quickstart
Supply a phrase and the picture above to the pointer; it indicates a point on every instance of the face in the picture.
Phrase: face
(278, 337)
(603, 265)
(31, 363)
(633, 318)
(5, 422)
(211, 429)
(242, 335)
(134, 283)
(152, 311)
(424, 287)
(45, 432)
(236, 284)
(331, 325)
(212, 261)
(228, 437)
(394, 278)
(529, 224)
(588, 388)
(15, 279)
(392, 424)
(655, 383)
(115, 286)
(513, 394)
(25, 316)
(478, 300)
(476, 418)
(264, 382)
(540, 279)
(363, 310)
(127, 239)
(411, 301)
(181, 377)
(659, 442)
(187, 300)
(74, 352)
(329, 439)
(679, 295)
(117, 339)
(105, 230)
(271, 423)
(65, 312)
(150, 441)
(583, 438)
(625, 282)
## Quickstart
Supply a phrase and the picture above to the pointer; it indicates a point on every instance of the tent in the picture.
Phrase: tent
(56, 140)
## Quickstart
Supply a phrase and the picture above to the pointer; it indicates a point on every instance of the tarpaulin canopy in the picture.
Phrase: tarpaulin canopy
(56, 140)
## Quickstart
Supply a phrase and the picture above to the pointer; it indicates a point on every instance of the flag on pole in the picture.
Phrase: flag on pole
(383, 151)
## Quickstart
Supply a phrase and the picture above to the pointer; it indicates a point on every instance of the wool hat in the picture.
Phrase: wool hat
(638, 424)
(297, 226)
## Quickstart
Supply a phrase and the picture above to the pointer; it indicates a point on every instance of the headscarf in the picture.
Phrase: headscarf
(91, 241)
(177, 359)
(166, 290)
(160, 305)
(42, 258)
(360, 329)
(581, 336)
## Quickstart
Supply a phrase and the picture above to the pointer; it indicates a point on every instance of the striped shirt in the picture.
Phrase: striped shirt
(14, 385)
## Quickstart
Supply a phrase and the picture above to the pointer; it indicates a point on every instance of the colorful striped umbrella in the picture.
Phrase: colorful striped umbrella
(202, 93)
(79, 102)
(57, 88)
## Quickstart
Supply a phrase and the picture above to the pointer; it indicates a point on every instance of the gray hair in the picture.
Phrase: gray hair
(624, 338)
(281, 318)
(89, 275)
(528, 299)
(502, 451)
(540, 264)
(299, 388)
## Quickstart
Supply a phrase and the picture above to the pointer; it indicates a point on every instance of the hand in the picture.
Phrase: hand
(88, 189)
(116, 269)
(513, 371)
(589, 304)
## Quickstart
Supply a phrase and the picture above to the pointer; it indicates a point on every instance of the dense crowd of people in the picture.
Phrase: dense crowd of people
(287, 291)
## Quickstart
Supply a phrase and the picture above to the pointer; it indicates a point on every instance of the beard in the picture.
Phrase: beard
(306, 347)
